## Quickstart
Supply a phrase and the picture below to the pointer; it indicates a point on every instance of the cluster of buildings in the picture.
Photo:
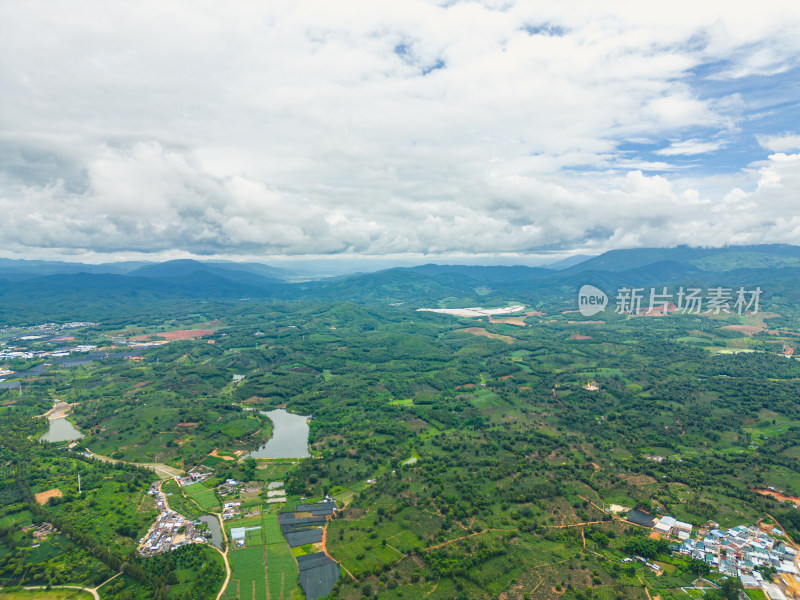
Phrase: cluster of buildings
(51, 327)
(231, 510)
(229, 486)
(161, 501)
(669, 526)
(196, 475)
(170, 531)
(31, 354)
(742, 552)
(40, 533)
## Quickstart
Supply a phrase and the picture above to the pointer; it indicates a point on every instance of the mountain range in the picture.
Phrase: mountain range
(30, 290)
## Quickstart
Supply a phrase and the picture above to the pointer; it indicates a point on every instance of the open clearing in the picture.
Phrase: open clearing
(482, 332)
(43, 497)
(778, 496)
(180, 334)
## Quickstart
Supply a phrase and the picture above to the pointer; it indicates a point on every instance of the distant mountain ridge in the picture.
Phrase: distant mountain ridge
(239, 272)
(31, 290)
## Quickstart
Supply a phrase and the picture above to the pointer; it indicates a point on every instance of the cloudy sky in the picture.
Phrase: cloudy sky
(405, 128)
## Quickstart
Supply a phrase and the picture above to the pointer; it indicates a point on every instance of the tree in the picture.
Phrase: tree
(698, 567)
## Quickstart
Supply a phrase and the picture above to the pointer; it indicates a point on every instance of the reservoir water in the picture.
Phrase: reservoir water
(213, 527)
(289, 436)
(61, 430)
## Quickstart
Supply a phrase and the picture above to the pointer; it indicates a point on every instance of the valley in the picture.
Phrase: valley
(461, 465)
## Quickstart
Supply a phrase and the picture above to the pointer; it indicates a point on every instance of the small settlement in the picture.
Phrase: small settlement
(746, 552)
(40, 532)
(170, 531)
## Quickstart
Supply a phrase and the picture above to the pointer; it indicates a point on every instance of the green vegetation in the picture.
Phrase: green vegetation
(516, 458)
(60, 594)
(249, 578)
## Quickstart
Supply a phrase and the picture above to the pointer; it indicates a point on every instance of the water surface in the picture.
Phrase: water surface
(213, 527)
(289, 436)
(61, 430)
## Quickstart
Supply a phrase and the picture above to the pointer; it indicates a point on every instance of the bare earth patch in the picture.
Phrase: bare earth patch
(215, 453)
(778, 496)
(745, 329)
(483, 333)
(180, 334)
(43, 497)
(510, 321)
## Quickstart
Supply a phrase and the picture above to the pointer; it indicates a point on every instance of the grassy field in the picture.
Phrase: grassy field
(271, 530)
(204, 497)
(178, 502)
(248, 581)
(253, 538)
(62, 594)
(23, 516)
(281, 571)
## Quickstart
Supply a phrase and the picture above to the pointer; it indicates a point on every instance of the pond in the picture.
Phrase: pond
(61, 430)
(289, 436)
(213, 527)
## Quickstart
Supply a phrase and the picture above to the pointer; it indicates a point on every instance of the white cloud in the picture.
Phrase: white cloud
(689, 148)
(299, 128)
(780, 143)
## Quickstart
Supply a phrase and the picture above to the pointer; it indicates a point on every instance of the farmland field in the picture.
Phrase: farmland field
(272, 531)
(60, 594)
(248, 581)
(281, 571)
(207, 500)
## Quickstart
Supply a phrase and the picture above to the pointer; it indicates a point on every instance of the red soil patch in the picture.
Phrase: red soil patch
(187, 426)
(504, 377)
(465, 386)
(745, 329)
(43, 497)
(180, 334)
(535, 313)
(778, 496)
(510, 321)
(215, 453)
(578, 336)
(66, 338)
(525, 387)
(483, 333)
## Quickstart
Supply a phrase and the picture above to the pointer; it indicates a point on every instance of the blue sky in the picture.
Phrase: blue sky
(762, 105)
(421, 129)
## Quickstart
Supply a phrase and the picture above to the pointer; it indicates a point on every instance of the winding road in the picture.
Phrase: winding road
(93, 591)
